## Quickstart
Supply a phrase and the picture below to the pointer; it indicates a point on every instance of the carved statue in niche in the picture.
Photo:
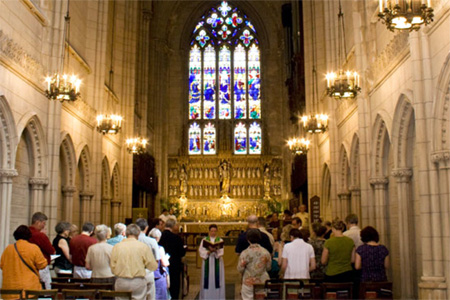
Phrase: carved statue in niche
(183, 181)
(191, 191)
(249, 173)
(206, 173)
(258, 173)
(200, 173)
(191, 173)
(266, 182)
(200, 191)
(259, 190)
(224, 173)
(170, 173)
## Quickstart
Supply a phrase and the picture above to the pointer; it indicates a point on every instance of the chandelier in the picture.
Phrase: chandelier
(109, 124)
(63, 87)
(342, 84)
(405, 14)
(136, 145)
(298, 146)
(314, 122)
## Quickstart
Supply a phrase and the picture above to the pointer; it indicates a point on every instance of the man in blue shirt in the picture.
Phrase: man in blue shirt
(120, 231)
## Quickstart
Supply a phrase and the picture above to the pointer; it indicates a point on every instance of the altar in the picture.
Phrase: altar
(222, 227)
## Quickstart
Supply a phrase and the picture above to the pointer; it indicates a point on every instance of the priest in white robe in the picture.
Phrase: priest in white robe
(213, 273)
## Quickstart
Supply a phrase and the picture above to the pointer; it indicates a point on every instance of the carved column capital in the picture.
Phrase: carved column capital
(106, 200)
(402, 174)
(86, 196)
(354, 189)
(379, 182)
(343, 195)
(69, 190)
(38, 183)
(115, 203)
(6, 176)
(442, 156)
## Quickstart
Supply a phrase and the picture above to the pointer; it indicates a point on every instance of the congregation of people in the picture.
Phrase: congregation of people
(147, 259)
(143, 261)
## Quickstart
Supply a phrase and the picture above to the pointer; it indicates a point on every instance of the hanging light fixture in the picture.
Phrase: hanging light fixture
(61, 86)
(299, 146)
(137, 145)
(314, 122)
(110, 123)
(405, 14)
(342, 84)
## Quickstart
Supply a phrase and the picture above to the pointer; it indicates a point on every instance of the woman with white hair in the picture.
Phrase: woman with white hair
(161, 273)
(98, 257)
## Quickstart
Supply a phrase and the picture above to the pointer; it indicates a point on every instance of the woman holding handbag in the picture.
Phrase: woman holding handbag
(21, 262)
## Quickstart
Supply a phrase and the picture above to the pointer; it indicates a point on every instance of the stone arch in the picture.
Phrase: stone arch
(67, 175)
(326, 193)
(344, 170)
(354, 162)
(38, 143)
(441, 107)
(115, 180)
(106, 175)
(67, 151)
(404, 114)
(8, 136)
(380, 148)
(84, 161)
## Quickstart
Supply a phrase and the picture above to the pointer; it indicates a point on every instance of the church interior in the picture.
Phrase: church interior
(115, 110)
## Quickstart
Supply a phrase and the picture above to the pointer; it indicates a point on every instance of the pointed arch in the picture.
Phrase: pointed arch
(344, 171)
(441, 107)
(380, 148)
(106, 182)
(326, 193)
(404, 114)
(31, 124)
(84, 162)
(8, 137)
(68, 156)
(354, 162)
(115, 182)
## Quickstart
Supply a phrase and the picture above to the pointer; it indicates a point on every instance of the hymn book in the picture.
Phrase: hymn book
(216, 246)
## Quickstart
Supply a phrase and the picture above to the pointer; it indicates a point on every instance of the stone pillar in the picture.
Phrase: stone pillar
(105, 211)
(403, 176)
(37, 194)
(6, 180)
(355, 201)
(85, 199)
(344, 199)
(379, 184)
(67, 206)
(115, 211)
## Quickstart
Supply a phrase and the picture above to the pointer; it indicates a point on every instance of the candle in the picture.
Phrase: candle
(381, 6)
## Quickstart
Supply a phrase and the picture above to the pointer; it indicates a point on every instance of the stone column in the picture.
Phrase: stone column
(403, 176)
(85, 199)
(105, 211)
(37, 193)
(344, 199)
(6, 180)
(67, 207)
(379, 184)
(115, 211)
(355, 201)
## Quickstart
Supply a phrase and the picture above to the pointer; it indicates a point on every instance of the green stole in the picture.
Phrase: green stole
(217, 269)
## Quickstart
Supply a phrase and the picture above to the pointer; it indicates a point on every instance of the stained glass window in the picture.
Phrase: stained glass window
(240, 139)
(209, 139)
(194, 139)
(224, 81)
(255, 138)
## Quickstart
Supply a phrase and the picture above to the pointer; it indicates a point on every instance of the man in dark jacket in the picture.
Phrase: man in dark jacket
(242, 242)
(173, 244)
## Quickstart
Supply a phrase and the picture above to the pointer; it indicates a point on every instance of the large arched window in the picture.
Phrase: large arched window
(224, 82)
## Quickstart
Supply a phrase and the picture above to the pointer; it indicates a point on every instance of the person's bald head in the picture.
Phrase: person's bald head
(252, 221)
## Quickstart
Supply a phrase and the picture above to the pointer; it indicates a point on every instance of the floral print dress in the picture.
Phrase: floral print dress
(254, 263)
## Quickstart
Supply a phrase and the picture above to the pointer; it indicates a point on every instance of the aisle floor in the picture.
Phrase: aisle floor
(232, 277)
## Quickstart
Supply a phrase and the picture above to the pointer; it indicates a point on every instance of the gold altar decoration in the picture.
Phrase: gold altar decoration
(226, 188)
